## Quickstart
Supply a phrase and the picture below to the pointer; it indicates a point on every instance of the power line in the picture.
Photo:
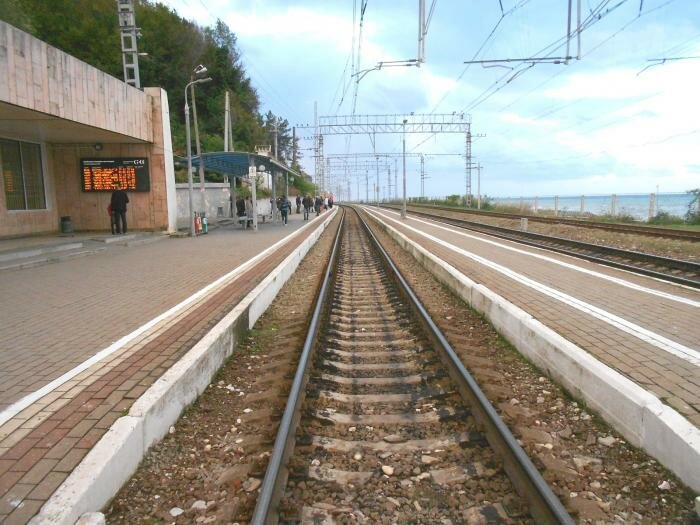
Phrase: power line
(592, 50)
(481, 47)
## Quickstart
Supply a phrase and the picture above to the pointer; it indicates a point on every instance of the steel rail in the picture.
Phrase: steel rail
(544, 506)
(687, 235)
(545, 242)
(267, 506)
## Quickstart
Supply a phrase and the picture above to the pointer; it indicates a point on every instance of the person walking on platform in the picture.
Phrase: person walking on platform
(317, 205)
(308, 202)
(285, 208)
(118, 202)
(298, 203)
(249, 211)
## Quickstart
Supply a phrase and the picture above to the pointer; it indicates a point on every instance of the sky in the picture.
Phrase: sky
(601, 124)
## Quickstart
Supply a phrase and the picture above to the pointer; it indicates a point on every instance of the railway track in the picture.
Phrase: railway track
(383, 423)
(666, 268)
(636, 229)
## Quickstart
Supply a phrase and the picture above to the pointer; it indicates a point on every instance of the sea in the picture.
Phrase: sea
(635, 204)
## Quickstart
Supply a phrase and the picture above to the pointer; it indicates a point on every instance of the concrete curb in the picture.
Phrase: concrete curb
(634, 412)
(51, 259)
(113, 460)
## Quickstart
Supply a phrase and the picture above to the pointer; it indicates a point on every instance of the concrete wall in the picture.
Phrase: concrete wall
(45, 79)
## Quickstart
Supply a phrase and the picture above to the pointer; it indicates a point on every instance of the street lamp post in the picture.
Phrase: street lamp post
(403, 205)
(190, 187)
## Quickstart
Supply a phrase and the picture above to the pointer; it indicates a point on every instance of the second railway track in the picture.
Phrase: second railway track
(674, 270)
(383, 423)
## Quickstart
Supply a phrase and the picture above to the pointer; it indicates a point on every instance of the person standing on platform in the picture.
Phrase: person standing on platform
(285, 208)
(240, 207)
(249, 211)
(118, 202)
(317, 205)
(308, 202)
(298, 203)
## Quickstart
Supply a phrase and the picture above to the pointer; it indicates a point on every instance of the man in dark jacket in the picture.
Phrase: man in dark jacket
(240, 207)
(285, 208)
(118, 202)
(298, 203)
(317, 204)
(308, 203)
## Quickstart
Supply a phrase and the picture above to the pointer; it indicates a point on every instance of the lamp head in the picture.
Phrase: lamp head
(202, 80)
(200, 71)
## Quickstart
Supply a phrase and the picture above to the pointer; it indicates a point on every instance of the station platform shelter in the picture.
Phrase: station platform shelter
(68, 131)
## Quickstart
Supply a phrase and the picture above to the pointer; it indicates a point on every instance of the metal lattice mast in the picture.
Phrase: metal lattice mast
(468, 172)
(128, 36)
(422, 176)
(396, 179)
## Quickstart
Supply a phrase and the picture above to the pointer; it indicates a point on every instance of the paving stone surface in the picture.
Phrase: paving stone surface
(675, 380)
(60, 315)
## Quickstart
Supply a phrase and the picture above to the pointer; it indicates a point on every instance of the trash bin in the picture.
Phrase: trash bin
(66, 224)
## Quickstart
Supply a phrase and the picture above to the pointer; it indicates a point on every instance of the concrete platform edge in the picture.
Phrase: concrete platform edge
(634, 412)
(113, 460)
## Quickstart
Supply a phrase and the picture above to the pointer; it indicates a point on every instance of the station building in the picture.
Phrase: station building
(68, 131)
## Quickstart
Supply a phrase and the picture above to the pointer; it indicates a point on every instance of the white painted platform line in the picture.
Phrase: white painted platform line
(672, 347)
(593, 273)
(112, 461)
(637, 414)
(27, 400)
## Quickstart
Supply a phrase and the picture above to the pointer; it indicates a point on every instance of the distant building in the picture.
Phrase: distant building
(68, 131)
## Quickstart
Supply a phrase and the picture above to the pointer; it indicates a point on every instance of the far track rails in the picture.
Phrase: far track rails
(382, 415)
(674, 270)
(636, 229)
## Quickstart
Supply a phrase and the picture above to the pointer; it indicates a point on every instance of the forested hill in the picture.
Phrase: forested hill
(88, 29)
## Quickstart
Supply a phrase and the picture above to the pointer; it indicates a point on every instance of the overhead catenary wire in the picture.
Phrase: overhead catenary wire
(363, 7)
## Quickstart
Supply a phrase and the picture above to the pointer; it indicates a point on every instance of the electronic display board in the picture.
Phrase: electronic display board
(103, 174)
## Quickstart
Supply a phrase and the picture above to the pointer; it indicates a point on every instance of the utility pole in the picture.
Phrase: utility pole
(468, 174)
(275, 130)
(478, 186)
(294, 145)
(388, 183)
(367, 186)
(377, 163)
(128, 34)
(227, 121)
(202, 188)
(403, 206)
(422, 176)
(396, 179)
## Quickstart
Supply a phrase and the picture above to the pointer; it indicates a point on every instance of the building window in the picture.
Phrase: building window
(22, 175)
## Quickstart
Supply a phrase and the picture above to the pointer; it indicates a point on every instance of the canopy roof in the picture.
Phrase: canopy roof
(235, 163)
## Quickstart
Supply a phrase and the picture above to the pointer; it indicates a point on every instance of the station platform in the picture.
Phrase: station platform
(644, 328)
(82, 339)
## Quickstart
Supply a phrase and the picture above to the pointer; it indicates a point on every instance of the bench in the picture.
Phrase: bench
(243, 220)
